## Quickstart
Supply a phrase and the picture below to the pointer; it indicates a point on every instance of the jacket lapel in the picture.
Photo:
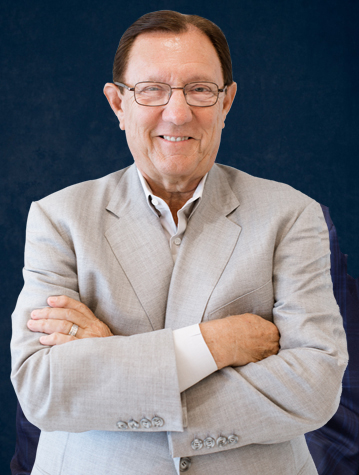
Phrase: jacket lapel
(140, 246)
(206, 248)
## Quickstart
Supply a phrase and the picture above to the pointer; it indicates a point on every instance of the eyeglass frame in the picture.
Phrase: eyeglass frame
(120, 84)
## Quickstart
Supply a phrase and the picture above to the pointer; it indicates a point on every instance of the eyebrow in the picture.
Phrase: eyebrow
(193, 79)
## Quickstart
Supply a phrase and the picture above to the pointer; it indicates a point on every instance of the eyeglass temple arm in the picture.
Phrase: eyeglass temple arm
(124, 85)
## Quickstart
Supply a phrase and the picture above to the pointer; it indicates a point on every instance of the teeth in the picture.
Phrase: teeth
(174, 139)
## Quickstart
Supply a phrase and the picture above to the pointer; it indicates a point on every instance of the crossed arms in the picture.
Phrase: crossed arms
(233, 341)
(275, 399)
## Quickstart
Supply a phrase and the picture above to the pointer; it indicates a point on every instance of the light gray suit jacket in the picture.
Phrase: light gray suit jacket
(252, 245)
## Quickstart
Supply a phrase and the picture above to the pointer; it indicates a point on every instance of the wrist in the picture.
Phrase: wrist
(218, 338)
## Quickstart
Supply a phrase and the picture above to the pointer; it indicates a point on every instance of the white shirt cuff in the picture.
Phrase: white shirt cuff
(194, 360)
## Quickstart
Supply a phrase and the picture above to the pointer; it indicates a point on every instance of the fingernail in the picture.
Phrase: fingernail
(52, 299)
(35, 313)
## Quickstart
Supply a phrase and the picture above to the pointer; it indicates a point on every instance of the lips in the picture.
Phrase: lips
(171, 138)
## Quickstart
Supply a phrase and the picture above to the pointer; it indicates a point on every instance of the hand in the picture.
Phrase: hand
(240, 339)
(57, 320)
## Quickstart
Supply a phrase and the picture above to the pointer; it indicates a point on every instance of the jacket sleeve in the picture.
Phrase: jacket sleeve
(291, 393)
(89, 384)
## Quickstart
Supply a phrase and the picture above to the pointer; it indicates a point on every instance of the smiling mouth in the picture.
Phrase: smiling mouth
(170, 138)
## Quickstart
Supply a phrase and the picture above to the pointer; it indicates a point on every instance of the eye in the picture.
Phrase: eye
(200, 89)
(153, 88)
(150, 88)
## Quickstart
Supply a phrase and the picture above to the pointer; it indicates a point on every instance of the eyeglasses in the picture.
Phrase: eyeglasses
(152, 94)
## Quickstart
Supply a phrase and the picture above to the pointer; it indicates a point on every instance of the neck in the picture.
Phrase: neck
(174, 199)
(175, 195)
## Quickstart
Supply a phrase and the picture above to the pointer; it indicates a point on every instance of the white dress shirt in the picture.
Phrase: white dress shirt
(193, 358)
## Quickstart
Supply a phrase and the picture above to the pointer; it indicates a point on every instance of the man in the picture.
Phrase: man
(156, 288)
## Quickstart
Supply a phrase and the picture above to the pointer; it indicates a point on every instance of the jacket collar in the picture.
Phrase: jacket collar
(174, 296)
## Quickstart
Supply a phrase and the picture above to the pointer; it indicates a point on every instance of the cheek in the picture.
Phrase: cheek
(141, 125)
(211, 120)
(213, 128)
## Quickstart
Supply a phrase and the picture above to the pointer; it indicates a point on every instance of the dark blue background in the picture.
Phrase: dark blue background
(295, 117)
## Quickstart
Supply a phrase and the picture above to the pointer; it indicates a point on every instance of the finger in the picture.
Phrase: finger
(56, 339)
(52, 326)
(63, 301)
(68, 314)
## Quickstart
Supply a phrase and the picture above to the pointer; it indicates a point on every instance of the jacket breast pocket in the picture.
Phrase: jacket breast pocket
(259, 301)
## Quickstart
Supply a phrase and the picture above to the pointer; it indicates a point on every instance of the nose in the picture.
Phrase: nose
(177, 111)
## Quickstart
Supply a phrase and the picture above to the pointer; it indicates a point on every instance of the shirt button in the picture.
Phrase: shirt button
(177, 241)
(185, 463)
(155, 202)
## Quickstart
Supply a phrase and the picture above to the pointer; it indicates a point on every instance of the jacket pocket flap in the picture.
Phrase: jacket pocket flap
(259, 301)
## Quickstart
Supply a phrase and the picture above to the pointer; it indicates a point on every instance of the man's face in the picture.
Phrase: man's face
(175, 59)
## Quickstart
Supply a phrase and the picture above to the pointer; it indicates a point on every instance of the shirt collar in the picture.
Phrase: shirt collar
(150, 196)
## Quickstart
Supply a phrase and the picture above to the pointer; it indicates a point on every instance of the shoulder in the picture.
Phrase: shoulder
(267, 204)
(259, 192)
(84, 194)
(82, 204)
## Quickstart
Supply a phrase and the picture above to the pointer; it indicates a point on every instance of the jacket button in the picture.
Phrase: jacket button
(133, 424)
(185, 463)
(222, 441)
(197, 444)
(209, 442)
(146, 423)
(122, 425)
(157, 421)
(232, 439)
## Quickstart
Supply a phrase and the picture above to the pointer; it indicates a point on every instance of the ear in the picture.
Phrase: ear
(228, 100)
(115, 99)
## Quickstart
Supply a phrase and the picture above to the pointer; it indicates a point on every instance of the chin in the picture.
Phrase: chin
(175, 168)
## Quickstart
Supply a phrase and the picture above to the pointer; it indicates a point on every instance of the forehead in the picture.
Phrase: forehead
(168, 57)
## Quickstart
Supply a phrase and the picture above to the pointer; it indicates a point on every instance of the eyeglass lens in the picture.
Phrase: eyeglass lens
(201, 94)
